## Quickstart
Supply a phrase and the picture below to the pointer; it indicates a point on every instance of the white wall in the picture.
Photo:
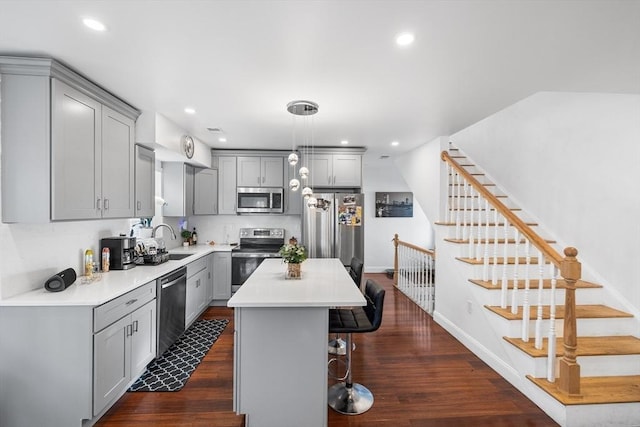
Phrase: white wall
(572, 161)
(381, 176)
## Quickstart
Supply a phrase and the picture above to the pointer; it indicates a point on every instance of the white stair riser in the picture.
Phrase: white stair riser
(585, 327)
(583, 296)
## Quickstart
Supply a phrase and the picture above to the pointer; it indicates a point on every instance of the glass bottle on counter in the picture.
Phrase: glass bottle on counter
(194, 236)
(88, 263)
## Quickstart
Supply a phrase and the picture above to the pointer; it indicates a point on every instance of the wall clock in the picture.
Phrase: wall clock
(188, 146)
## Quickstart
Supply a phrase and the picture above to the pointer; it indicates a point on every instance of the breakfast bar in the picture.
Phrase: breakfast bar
(281, 332)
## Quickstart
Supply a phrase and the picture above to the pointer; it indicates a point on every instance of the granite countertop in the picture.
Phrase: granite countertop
(111, 284)
(324, 283)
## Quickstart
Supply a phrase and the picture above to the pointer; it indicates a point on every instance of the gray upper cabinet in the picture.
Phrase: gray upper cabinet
(145, 182)
(177, 184)
(67, 145)
(205, 191)
(335, 170)
(227, 185)
(254, 171)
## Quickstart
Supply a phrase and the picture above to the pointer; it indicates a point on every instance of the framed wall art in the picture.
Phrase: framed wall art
(394, 204)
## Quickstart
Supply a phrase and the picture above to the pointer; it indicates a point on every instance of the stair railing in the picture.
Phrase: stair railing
(464, 190)
(414, 273)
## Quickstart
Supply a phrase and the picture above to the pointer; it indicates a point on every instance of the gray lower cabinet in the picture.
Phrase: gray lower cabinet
(122, 349)
(67, 364)
(221, 275)
(145, 182)
(198, 288)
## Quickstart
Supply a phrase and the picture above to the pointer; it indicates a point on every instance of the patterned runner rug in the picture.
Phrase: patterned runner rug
(171, 371)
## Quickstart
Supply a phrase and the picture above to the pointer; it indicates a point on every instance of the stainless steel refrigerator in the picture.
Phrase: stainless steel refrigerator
(335, 228)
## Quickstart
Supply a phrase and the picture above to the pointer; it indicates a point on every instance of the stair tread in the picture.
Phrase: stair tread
(587, 346)
(533, 284)
(475, 224)
(510, 260)
(587, 311)
(596, 390)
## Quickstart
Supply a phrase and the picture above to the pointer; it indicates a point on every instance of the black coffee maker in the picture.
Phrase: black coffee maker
(121, 251)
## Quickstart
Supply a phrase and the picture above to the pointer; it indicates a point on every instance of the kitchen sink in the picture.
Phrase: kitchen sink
(177, 257)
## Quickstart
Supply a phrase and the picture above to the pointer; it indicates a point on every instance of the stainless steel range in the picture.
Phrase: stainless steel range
(256, 245)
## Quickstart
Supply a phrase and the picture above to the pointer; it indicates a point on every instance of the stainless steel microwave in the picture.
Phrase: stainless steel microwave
(260, 200)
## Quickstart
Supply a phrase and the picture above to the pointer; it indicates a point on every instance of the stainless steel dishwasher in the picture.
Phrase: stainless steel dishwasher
(172, 296)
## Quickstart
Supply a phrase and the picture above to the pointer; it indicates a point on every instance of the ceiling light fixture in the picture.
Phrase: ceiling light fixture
(344, 142)
(94, 24)
(189, 110)
(395, 143)
(222, 139)
(404, 39)
(305, 109)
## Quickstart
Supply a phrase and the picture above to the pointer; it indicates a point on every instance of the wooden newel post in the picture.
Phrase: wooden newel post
(395, 260)
(570, 270)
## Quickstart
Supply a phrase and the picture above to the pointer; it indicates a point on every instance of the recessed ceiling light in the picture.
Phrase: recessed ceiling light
(344, 142)
(222, 139)
(395, 143)
(94, 24)
(404, 39)
(189, 110)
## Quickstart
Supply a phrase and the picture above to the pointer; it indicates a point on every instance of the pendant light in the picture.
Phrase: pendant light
(305, 109)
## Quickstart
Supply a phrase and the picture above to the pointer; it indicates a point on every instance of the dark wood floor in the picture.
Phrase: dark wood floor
(419, 375)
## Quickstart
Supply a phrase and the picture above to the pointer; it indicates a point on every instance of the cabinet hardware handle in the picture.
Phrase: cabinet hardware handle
(131, 301)
(135, 326)
(198, 283)
(98, 204)
(139, 205)
(263, 179)
(334, 180)
(106, 204)
(129, 330)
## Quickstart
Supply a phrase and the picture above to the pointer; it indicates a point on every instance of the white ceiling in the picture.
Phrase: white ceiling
(238, 63)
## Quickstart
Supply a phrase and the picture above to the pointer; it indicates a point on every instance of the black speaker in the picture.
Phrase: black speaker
(61, 281)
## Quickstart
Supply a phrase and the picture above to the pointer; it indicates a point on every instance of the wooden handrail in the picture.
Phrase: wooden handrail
(533, 237)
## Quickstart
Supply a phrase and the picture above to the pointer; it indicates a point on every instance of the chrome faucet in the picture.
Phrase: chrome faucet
(153, 232)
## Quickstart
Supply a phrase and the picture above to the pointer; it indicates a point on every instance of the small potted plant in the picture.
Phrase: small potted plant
(186, 237)
(293, 254)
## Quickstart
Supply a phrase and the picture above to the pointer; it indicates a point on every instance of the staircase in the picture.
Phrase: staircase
(591, 373)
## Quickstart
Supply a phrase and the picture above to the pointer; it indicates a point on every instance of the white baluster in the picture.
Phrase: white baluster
(458, 203)
(448, 212)
(514, 293)
(505, 265)
(472, 243)
(551, 355)
(525, 300)
(465, 212)
(538, 340)
(494, 269)
(485, 272)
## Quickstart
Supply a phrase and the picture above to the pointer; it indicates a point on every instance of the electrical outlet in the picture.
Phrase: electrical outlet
(469, 306)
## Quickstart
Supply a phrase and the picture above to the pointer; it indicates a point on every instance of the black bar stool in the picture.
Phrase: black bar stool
(348, 397)
(337, 345)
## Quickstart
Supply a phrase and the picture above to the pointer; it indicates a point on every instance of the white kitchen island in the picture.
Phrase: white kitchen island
(281, 334)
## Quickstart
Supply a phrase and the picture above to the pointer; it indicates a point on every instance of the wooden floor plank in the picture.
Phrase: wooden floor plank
(419, 375)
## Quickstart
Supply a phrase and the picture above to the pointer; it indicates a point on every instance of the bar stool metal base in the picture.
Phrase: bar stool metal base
(353, 400)
(338, 346)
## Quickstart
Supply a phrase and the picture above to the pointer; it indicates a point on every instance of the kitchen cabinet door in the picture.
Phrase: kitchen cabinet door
(320, 170)
(205, 191)
(117, 165)
(112, 362)
(75, 154)
(221, 275)
(145, 182)
(227, 185)
(196, 296)
(347, 170)
(272, 169)
(143, 338)
(248, 174)
(177, 182)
